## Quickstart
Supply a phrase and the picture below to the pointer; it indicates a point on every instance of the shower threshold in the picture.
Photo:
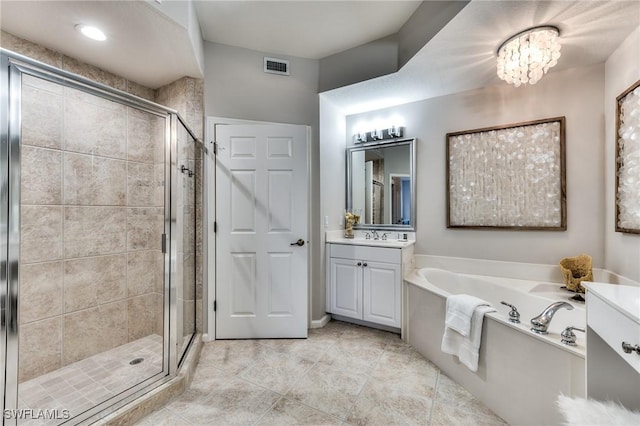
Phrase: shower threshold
(75, 388)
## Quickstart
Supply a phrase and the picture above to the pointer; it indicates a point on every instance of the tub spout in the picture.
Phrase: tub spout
(542, 321)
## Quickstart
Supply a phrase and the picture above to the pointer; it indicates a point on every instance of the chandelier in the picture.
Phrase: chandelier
(528, 55)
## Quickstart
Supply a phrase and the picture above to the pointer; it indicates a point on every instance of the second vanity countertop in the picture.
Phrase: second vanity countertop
(336, 237)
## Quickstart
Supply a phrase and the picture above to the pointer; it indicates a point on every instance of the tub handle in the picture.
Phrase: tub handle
(514, 315)
(568, 336)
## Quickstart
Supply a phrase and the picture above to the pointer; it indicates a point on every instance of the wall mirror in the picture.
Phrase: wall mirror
(381, 184)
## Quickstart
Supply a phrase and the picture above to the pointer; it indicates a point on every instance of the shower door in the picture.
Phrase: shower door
(85, 178)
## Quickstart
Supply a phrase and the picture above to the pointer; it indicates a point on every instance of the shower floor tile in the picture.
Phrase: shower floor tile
(84, 384)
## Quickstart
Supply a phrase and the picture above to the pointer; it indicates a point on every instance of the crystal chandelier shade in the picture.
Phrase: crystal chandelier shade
(527, 56)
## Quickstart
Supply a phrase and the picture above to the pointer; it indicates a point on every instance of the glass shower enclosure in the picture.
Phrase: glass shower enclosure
(97, 244)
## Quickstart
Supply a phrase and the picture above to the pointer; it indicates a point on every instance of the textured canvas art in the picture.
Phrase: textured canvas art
(628, 161)
(508, 177)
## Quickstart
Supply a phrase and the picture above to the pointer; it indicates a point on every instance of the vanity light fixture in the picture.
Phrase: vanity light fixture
(394, 131)
(391, 132)
(527, 56)
(361, 137)
(91, 32)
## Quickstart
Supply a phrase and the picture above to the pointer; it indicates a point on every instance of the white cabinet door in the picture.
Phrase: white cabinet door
(346, 287)
(382, 291)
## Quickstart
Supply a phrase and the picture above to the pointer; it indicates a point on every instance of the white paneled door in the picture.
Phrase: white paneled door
(261, 239)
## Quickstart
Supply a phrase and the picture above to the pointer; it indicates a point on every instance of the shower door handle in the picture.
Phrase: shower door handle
(298, 243)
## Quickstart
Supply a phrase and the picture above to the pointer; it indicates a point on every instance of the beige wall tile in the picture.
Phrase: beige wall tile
(145, 185)
(97, 181)
(26, 48)
(94, 281)
(188, 275)
(145, 272)
(41, 83)
(91, 231)
(143, 316)
(144, 228)
(91, 128)
(93, 73)
(144, 141)
(40, 291)
(141, 91)
(40, 233)
(41, 115)
(40, 347)
(159, 321)
(41, 176)
(188, 230)
(94, 330)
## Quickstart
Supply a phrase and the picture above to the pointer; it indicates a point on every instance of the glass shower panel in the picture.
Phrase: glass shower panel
(186, 224)
(92, 217)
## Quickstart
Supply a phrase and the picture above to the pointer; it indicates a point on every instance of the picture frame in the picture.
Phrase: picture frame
(627, 161)
(510, 177)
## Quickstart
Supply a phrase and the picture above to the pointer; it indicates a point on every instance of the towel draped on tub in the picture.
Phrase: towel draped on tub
(463, 328)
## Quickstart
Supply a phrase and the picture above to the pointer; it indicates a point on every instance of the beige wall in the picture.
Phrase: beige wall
(236, 87)
(574, 93)
(622, 70)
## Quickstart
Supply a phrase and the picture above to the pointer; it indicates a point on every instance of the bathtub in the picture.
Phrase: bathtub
(520, 373)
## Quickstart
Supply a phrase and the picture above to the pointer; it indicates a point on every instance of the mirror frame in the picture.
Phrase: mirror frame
(412, 172)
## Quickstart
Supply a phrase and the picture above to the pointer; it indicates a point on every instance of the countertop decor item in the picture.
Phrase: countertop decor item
(576, 269)
(350, 219)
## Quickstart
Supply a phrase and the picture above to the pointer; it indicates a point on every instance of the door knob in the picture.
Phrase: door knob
(298, 243)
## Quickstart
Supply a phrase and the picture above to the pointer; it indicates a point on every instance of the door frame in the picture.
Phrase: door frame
(209, 202)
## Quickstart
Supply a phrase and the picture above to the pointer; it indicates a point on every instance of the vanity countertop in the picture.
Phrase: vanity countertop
(623, 298)
(390, 243)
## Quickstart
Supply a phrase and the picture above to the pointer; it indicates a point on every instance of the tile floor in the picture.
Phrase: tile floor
(84, 384)
(342, 374)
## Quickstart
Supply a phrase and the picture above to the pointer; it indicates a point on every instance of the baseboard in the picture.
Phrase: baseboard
(321, 322)
(367, 324)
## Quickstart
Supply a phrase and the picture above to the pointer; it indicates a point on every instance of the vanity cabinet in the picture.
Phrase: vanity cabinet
(365, 283)
(613, 317)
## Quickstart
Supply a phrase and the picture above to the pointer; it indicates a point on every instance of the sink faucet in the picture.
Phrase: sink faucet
(375, 235)
(542, 321)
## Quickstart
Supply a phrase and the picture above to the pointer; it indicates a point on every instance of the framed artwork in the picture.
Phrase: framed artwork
(508, 177)
(628, 160)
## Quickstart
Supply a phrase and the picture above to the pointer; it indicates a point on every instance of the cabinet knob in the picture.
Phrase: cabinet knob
(628, 348)
(364, 264)
(359, 264)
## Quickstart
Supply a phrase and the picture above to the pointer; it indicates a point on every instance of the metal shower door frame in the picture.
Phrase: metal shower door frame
(12, 67)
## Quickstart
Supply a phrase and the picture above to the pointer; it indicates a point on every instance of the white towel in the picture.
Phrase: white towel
(466, 348)
(460, 308)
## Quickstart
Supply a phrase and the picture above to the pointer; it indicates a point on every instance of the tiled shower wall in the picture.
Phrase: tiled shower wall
(41, 340)
(92, 215)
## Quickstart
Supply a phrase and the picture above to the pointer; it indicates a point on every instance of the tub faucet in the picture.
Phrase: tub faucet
(542, 321)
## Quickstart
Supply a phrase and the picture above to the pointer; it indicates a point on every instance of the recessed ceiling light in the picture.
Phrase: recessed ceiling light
(91, 32)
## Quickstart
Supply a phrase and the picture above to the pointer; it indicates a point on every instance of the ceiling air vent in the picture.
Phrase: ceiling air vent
(276, 66)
